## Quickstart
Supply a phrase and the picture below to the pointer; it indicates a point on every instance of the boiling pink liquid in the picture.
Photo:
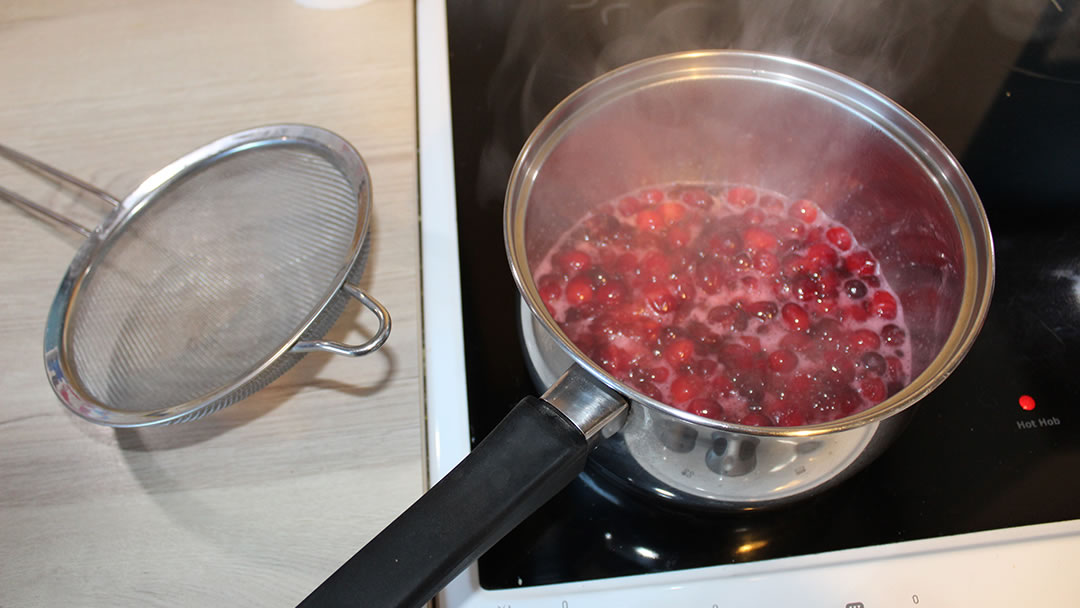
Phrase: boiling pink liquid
(731, 303)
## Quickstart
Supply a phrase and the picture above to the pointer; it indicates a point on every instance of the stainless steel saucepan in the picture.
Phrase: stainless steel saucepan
(740, 117)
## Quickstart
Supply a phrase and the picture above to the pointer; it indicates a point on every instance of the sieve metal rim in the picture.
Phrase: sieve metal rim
(328, 145)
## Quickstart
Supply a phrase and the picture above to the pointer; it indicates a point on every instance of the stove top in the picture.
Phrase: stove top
(999, 83)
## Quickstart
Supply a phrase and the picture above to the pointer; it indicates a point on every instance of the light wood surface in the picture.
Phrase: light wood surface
(257, 504)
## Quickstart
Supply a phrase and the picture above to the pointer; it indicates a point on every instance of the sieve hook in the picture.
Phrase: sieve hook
(58, 175)
(371, 345)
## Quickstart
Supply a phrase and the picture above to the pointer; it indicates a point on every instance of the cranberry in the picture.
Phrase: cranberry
(679, 351)
(861, 263)
(804, 210)
(728, 317)
(612, 358)
(677, 237)
(696, 197)
(857, 314)
(765, 262)
(783, 361)
(736, 357)
(756, 239)
(610, 293)
(660, 299)
(862, 340)
(795, 316)
(840, 237)
(820, 256)
(873, 363)
(855, 289)
(629, 205)
(655, 265)
(894, 367)
(652, 196)
(672, 212)
(872, 389)
(686, 387)
(741, 197)
(574, 261)
(764, 310)
(706, 408)
(650, 220)
(754, 217)
(579, 290)
(893, 335)
(790, 418)
(649, 390)
(804, 288)
(883, 305)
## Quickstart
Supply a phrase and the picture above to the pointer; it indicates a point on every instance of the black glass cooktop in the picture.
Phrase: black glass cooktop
(998, 81)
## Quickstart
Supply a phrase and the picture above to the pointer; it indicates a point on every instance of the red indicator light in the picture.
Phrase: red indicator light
(1027, 402)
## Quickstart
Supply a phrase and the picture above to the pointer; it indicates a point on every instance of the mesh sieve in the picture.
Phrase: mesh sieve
(212, 278)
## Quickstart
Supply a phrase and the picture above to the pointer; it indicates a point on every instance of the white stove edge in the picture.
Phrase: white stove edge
(1007, 568)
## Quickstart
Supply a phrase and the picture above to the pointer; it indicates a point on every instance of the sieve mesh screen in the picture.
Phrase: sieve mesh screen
(212, 277)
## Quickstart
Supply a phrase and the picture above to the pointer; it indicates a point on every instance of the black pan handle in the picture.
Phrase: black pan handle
(532, 454)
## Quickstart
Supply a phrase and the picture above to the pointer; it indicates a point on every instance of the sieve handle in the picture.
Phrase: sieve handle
(370, 346)
(55, 174)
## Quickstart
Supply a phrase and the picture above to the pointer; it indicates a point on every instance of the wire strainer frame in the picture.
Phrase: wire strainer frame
(306, 338)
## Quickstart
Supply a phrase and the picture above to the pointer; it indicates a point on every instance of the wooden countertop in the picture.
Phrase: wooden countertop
(256, 504)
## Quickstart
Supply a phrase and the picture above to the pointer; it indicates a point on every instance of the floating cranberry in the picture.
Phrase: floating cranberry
(650, 220)
(613, 359)
(677, 237)
(766, 262)
(895, 368)
(655, 265)
(893, 335)
(862, 340)
(672, 212)
(883, 305)
(650, 390)
(873, 363)
(741, 197)
(795, 316)
(783, 361)
(703, 367)
(736, 357)
(756, 239)
(855, 314)
(706, 408)
(861, 263)
(686, 387)
(652, 196)
(579, 290)
(660, 299)
(840, 237)
(629, 205)
(679, 351)
(800, 343)
(764, 310)
(754, 216)
(839, 367)
(610, 293)
(804, 210)
(728, 317)
(820, 256)
(575, 261)
(872, 389)
(804, 288)
(696, 197)
(855, 289)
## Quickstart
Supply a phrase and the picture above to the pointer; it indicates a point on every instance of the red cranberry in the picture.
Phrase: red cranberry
(736, 357)
(857, 314)
(677, 237)
(754, 216)
(863, 340)
(728, 317)
(820, 256)
(672, 212)
(650, 220)
(804, 210)
(873, 363)
(696, 197)
(783, 361)
(660, 299)
(855, 289)
(741, 197)
(861, 263)
(795, 317)
(612, 358)
(575, 261)
(756, 240)
(764, 310)
(610, 293)
(895, 368)
(629, 205)
(579, 290)
(804, 288)
(883, 305)
(872, 389)
(706, 408)
(893, 335)
(679, 351)
(765, 262)
(840, 237)
(652, 196)
(650, 390)
(686, 387)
